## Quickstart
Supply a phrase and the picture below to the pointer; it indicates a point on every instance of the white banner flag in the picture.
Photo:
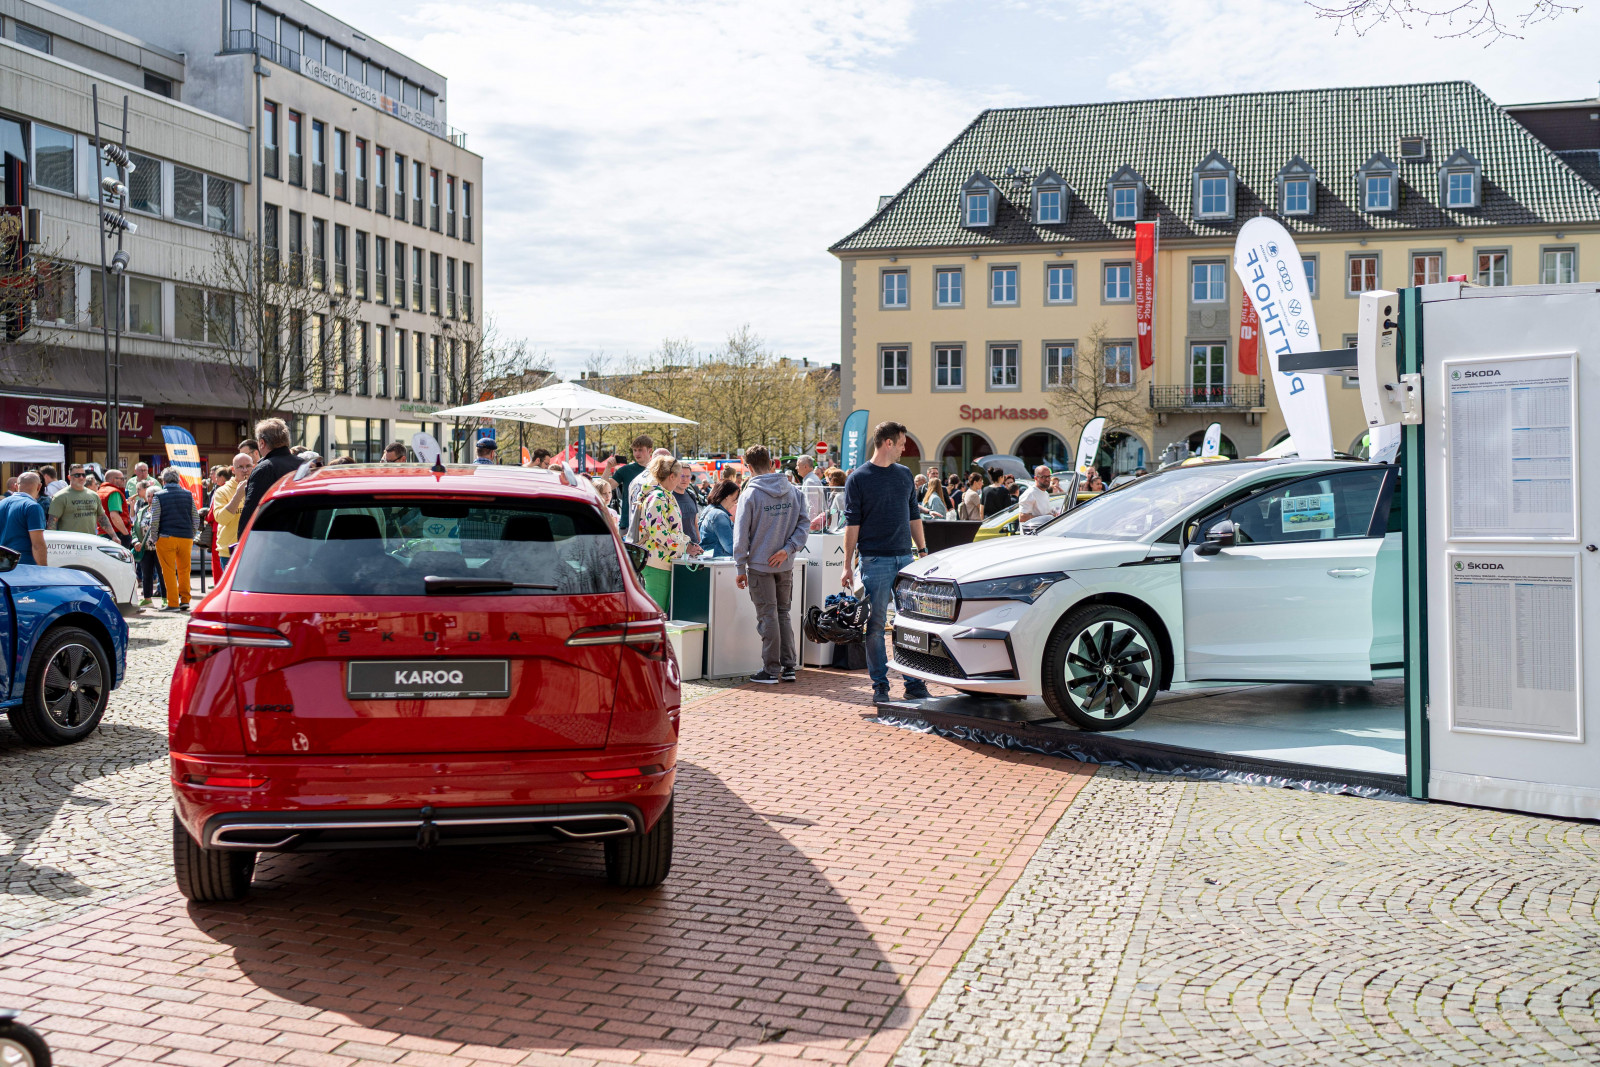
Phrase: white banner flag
(1089, 444)
(1213, 442)
(1270, 269)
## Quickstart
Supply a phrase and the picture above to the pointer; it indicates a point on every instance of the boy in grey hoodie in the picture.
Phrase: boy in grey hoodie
(769, 529)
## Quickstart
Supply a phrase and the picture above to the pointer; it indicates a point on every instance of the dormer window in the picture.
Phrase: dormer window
(1213, 188)
(1297, 188)
(1049, 199)
(1461, 181)
(1378, 184)
(978, 210)
(979, 202)
(1125, 195)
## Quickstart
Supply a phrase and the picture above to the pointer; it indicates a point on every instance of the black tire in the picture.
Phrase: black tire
(1102, 668)
(641, 861)
(22, 1046)
(208, 875)
(68, 688)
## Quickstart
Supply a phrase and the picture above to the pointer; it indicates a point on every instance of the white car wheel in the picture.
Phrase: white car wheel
(1102, 668)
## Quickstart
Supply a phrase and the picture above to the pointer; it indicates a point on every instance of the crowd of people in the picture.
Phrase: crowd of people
(759, 517)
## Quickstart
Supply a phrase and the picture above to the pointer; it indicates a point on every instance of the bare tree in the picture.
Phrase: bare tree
(1471, 19)
(285, 333)
(38, 291)
(1097, 389)
(486, 362)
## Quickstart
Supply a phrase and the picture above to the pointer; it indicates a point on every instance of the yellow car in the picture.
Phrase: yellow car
(1005, 523)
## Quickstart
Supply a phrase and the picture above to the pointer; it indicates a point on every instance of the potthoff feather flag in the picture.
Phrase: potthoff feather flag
(184, 454)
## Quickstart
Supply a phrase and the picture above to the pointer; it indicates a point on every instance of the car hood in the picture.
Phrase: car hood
(34, 576)
(1006, 556)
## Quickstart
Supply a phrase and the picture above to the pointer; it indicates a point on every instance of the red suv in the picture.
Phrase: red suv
(400, 657)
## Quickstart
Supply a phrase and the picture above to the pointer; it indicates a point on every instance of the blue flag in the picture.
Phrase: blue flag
(853, 447)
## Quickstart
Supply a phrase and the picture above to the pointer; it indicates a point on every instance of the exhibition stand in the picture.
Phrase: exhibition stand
(1501, 540)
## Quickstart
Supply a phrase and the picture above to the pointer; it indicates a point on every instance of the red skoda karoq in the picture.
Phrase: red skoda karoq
(408, 658)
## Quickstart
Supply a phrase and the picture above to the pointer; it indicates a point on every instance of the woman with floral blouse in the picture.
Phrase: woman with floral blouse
(661, 532)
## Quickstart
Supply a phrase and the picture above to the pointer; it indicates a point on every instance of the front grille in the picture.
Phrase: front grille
(922, 661)
(929, 600)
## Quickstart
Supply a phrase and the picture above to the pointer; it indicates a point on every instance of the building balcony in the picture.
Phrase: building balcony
(1208, 397)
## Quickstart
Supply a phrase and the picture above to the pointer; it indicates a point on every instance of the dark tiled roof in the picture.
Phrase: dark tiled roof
(1586, 161)
(1335, 130)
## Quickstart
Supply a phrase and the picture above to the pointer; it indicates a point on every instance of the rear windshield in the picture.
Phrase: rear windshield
(383, 546)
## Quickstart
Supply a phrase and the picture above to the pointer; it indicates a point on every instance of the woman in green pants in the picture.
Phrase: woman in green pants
(661, 532)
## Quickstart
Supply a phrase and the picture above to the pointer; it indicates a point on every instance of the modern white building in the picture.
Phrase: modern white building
(352, 177)
(188, 194)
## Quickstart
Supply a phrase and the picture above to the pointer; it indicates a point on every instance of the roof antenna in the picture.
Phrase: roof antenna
(438, 463)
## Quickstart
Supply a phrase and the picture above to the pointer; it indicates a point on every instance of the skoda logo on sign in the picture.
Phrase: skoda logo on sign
(1459, 565)
(1272, 248)
(1455, 376)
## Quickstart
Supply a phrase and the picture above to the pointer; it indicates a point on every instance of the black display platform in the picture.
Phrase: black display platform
(1332, 739)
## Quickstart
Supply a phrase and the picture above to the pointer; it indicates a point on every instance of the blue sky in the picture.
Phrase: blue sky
(676, 168)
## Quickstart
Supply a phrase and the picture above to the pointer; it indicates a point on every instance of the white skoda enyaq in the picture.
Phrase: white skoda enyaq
(1246, 571)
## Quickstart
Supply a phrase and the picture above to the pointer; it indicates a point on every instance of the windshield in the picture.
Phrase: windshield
(382, 546)
(1148, 505)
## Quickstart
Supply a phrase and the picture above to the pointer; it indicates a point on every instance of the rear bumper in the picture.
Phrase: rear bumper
(303, 804)
(424, 827)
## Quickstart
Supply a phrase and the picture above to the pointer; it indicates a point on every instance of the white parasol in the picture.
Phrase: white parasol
(565, 404)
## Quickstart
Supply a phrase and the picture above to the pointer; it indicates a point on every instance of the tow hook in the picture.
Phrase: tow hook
(428, 832)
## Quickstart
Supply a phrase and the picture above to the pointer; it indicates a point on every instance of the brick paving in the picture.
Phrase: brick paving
(829, 874)
(1167, 920)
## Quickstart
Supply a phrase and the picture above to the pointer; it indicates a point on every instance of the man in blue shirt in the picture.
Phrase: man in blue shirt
(22, 520)
(487, 453)
(881, 521)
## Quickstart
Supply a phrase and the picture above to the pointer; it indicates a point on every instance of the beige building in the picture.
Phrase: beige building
(358, 182)
(975, 291)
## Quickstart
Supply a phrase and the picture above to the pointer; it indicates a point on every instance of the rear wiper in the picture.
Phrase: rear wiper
(433, 583)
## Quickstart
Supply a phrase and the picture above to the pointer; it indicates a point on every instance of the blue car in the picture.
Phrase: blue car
(63, 648)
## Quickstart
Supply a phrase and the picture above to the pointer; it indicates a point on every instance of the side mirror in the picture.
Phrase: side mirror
(9, 558)
(636, 556)
(1220, 536)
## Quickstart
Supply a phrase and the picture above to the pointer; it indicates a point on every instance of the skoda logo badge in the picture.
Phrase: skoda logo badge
(1272, 248)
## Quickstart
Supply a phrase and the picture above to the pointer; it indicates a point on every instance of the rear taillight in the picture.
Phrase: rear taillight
(223, 782)
(205, 636)
(649, 639)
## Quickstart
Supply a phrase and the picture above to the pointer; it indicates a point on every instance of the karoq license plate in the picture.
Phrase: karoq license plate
(428, 679)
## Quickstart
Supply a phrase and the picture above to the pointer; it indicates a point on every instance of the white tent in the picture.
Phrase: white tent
(565, 404)
(15, 448)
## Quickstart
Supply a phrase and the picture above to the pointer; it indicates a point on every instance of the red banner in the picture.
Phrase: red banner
(1144, 289)
(1249, 334)
(29, 416)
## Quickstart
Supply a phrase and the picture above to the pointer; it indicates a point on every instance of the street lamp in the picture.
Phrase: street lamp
(113, 263)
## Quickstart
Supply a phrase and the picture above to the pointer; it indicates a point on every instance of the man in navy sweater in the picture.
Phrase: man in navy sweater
(882, 523)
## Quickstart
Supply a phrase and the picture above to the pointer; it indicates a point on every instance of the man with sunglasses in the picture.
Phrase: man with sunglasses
(77, 509)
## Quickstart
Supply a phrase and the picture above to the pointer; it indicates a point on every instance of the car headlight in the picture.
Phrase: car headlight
(121, 555)
(1025, 587)
(934, 600)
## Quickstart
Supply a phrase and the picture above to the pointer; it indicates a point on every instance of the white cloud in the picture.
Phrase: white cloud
(658, 168)
(661, 168)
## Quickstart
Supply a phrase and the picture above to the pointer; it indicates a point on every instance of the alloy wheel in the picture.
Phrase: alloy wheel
(72, 683)
(1108, 670)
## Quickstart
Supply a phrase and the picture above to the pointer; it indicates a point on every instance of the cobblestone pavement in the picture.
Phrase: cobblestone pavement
(1166, 920)
(829, 873)
(85, 823)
